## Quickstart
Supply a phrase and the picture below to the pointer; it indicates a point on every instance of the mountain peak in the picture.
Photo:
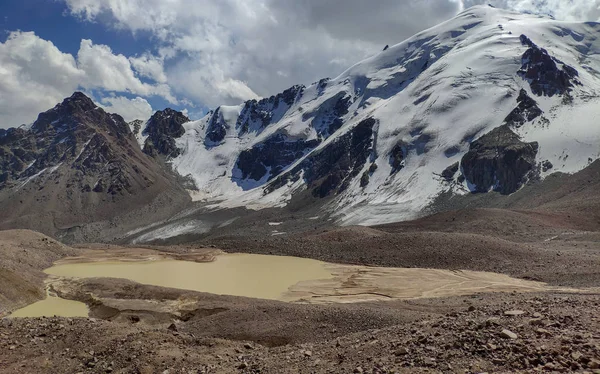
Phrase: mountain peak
(168, 117)
(79, 100)
(485, 9)
(168, 111)
(76, 104)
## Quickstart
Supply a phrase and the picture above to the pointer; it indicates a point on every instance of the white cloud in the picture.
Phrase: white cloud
(129, 109)
(133, 14)
(149, 66)
(112, 72)
(35, 75)
(210, 85)
(85, 8)
(567, 10)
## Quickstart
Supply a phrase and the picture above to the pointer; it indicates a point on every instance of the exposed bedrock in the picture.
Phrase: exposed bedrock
(272, 156)
(331, 169)
(547, 75)
(499, 160)
(162, 130)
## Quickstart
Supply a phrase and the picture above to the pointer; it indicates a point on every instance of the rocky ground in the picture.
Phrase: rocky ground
(486, 333)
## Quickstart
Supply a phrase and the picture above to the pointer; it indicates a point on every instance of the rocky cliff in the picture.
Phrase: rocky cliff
(78, 173)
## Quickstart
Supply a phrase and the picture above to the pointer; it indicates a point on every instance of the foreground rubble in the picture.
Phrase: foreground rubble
(485, 333)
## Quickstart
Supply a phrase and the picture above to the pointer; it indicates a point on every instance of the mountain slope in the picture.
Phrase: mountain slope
(78, 173)
(484, 102)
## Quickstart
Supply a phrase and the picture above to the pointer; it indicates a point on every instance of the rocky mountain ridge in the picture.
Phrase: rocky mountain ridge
(76, 166)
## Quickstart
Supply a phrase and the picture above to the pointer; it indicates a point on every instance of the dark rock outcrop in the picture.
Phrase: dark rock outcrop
(449, 173)
(397, 156)
(330, 170)
(526, 110)
(255, 116)
(59, 131)
(329, 120)
(216, 130)
(136, 126)
(290, 95)
(162, 130)
(499, 160)
(546, 75)
(366, 177)
(59, 136)
(546, 165)
(17, 151)
(276, 153)
(272, 156)
(420, 143)
(322, 84)
(75, 111)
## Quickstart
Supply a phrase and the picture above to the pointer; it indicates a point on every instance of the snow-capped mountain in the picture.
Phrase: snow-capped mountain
(485, 101)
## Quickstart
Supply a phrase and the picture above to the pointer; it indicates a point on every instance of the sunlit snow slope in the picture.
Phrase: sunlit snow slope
(392, 132)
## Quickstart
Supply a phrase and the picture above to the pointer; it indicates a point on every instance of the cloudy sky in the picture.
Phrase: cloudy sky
(137, 56)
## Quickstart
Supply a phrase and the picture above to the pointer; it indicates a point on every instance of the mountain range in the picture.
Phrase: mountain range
(487, 103)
